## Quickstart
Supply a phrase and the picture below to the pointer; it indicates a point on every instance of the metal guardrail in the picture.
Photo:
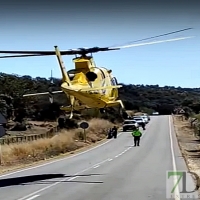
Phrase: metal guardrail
(25, 138)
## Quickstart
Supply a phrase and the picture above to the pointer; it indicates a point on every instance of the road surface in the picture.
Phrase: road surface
(115, 170)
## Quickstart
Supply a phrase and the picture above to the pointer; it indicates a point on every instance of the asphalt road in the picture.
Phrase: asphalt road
(115, 170)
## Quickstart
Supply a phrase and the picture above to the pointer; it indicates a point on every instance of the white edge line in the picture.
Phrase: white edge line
(57, 160)
(177, 193)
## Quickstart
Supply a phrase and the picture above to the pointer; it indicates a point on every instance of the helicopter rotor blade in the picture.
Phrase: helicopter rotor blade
(157, 36)
(84, 51)
(153, 42)
(38, 53)
(31, 55)
(30, 52)
(49, 53)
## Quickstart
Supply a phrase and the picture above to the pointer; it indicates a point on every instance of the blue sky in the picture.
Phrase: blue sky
(40, 28)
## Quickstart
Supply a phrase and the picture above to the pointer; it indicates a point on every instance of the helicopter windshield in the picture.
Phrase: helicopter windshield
(114, 81)
(71, 73)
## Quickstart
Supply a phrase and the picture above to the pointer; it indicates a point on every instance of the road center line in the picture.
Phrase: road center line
(33, 197)
(177, 193)
(62, 180)
(72, 178)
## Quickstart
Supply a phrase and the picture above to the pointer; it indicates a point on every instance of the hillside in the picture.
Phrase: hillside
(150, 98)
(146, 98)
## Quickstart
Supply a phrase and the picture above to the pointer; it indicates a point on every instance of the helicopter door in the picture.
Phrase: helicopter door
(114, 91)
(103, 83)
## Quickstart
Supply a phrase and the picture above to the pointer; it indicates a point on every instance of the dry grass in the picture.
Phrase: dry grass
(65, 141)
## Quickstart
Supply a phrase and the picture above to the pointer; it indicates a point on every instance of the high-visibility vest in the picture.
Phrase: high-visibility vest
(136, 133)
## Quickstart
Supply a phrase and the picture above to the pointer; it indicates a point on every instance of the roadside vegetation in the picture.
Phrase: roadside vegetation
(64, 142)
(188, 135)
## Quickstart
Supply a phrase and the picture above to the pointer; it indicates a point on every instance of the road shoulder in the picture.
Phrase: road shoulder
(188, 143)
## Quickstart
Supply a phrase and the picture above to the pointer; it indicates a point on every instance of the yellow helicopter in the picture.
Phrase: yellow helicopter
(87, 86)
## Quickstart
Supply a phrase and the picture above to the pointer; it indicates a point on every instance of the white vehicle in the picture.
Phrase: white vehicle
(155, 113)
(129, 125)
(139, 120)
(145, 119)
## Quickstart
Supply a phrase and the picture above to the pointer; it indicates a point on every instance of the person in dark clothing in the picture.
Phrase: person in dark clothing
(110, 135)
(114, 132)
(143, 126)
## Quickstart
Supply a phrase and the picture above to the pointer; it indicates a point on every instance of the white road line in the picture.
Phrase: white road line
(56, 183)
(72, 178)
(33, 197)
(177, 193)
(65, 179)
(122, 152)
(127, 149)
(102, 162)
(57, 160)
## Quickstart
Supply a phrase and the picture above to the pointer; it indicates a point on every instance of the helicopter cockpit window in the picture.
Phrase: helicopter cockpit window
(71, 73)
(114, 81)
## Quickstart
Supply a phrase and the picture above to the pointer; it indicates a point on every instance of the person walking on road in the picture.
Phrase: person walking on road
(137, 135)
(143, 126)
(114, 132)
(110, 134)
